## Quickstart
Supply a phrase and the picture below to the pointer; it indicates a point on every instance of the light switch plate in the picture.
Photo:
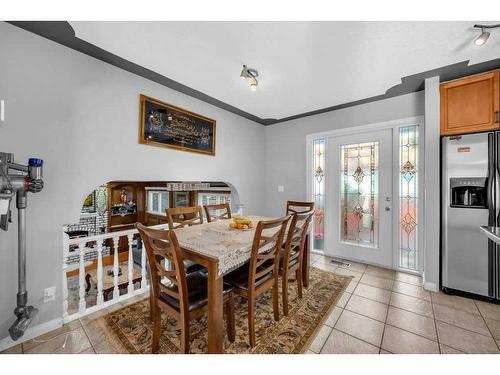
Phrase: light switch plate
(49, 294)
(281, 188)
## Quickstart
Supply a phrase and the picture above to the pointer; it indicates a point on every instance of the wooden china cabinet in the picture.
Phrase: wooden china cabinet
(124, 207)
(471, 104)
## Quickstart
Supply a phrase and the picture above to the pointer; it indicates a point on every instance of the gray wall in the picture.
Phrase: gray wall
(81, 116)
(285, 162)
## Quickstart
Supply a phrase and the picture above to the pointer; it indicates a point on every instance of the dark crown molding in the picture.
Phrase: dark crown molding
(61, 32)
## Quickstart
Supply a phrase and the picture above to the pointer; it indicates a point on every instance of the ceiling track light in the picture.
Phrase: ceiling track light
(251, 74)
(481, 39)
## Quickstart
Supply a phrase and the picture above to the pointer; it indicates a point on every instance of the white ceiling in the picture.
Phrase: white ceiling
(303, 66)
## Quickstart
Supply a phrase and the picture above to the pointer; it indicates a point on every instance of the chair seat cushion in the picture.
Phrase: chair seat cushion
(239, 278)
(197, 286)
(191, 267)
(291, 263)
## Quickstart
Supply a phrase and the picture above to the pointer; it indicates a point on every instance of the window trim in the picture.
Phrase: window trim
(149, 203)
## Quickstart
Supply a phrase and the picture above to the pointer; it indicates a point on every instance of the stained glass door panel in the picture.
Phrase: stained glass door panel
(359, 193)
(359, 197)
(408, 198)
(318, 190)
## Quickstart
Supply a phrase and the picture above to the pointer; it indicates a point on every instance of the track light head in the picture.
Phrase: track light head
(481, 39)
(252, 74)
(253, 84)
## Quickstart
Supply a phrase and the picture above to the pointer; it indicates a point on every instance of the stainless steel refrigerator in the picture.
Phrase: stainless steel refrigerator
(470, 189)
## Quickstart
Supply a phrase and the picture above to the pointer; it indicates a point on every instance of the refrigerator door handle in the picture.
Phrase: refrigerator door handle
(494, 266)
(496, 185)
(492, 153)
(490, 189)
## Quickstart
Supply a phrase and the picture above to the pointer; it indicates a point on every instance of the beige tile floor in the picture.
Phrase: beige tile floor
(384, 311)
(381, 311)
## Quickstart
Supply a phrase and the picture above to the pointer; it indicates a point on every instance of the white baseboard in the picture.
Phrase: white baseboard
(432, 287)
(31, 333)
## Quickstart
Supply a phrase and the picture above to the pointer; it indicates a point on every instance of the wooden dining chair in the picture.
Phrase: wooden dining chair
(293, 207)
(293, 252)
(261, 273)
(183, 296)
(213, 212)
(180, 217)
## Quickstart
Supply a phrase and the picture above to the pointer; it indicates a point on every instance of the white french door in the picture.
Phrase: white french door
(359, 191)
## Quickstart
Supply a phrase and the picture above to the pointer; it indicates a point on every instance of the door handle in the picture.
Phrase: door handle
(387, 208)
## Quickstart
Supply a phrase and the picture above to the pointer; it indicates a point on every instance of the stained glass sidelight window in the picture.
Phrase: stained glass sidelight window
(359, 194)
(408, 198)
(318, 185)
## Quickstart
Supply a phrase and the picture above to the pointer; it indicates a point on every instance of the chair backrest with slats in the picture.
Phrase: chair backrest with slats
(184, 216)
(266, 249)
(293, 207)
(296, 236)
(162, 246)
(213, 212)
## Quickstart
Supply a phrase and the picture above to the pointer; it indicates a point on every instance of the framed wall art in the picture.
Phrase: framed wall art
(164, 125)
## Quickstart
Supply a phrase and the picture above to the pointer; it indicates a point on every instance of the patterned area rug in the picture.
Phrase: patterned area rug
(131, 326)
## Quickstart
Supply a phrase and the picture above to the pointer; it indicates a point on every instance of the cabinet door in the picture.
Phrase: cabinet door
(470, 105)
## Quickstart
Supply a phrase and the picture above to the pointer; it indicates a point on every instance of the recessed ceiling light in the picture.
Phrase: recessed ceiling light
(481, 39)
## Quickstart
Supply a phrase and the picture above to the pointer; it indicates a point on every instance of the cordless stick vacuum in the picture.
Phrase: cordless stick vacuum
(18, 180)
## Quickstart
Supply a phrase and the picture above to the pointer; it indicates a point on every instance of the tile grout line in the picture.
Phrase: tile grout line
(385, 325)
(487, 326)
(413, 333)
(88, 338)
(357, 338)
(466, 329)
(435, 326)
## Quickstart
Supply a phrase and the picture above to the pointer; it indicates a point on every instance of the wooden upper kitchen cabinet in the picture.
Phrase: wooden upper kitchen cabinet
(470, 105)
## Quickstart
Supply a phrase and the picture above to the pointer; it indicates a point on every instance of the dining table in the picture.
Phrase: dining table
(221, 250)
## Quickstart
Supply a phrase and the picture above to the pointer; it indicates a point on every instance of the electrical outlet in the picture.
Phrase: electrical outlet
(281, 188)
(49, 294)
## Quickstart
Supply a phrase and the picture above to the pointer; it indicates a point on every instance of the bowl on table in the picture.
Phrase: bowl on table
(241, 223)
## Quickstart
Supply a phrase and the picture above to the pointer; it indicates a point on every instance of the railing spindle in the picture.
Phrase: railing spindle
(100, 298)
(65, 272)
(65, 286)
(130, 289)
(116, 291)
(82, 305)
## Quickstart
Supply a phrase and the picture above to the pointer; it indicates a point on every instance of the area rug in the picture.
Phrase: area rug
(131, 327)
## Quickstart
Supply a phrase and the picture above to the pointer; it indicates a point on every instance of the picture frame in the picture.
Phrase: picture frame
(164, 125)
